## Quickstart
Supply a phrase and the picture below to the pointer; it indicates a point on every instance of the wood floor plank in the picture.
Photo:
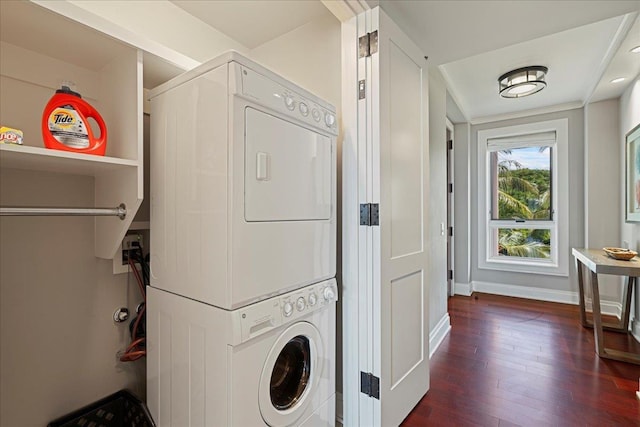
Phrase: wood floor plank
(517, 362)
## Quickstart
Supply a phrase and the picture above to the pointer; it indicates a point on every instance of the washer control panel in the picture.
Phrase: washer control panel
(297, 303)
(263, 316)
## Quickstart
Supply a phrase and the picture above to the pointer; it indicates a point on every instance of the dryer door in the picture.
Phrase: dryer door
(288, 170)
(291, 374)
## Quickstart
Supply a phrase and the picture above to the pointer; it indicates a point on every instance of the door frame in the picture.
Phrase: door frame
(450, 206)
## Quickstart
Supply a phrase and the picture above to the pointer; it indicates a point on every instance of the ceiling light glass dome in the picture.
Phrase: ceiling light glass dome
(523, 81)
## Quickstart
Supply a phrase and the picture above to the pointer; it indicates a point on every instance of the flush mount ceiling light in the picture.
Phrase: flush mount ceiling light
(523, 81)
(618, 80)
(635, 49)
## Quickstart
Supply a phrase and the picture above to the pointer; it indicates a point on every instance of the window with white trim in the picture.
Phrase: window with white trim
(522, 198)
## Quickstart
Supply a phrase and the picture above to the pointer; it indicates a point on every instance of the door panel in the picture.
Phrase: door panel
(407, 313)
(400, 181)
(406, 166)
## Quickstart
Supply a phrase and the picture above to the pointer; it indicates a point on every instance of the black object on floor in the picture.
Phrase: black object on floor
(121, 409)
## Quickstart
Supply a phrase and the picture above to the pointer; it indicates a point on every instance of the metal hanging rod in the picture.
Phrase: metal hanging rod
(120, 211)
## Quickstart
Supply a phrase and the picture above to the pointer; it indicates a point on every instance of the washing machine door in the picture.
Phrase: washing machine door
(291, 374)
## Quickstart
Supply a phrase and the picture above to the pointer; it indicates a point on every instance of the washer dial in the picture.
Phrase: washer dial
(287, 309)
(328, 294)
(301, 304)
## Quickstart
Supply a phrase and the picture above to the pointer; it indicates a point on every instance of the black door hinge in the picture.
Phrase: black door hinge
(369, 214)
(450, 188)
(368, 44)
(450, 274)
(370, 385)
(451, 231)
(450, 144)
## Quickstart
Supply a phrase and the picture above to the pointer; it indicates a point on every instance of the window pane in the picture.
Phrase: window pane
(521, 183)
(524, 243)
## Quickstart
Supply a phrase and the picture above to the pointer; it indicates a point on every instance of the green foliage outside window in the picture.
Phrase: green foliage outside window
(523, 193)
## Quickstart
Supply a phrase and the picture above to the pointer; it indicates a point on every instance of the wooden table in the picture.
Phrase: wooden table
(598, 262)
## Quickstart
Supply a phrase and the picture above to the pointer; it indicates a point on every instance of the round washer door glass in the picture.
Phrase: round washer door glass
(290, 375)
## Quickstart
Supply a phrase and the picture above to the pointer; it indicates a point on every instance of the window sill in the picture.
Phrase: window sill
(516, 266)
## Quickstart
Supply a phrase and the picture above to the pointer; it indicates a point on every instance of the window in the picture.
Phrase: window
(523, 177)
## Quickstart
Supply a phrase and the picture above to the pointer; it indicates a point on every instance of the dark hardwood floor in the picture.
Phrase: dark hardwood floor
(510, 361)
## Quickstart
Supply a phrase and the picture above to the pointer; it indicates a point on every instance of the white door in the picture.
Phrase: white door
(391, 159)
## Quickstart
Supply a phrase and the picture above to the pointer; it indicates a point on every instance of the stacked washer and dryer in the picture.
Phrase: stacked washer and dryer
(241, 308)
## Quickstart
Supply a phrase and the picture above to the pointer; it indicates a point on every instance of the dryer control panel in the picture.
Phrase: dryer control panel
(263, 316)
(286, 100)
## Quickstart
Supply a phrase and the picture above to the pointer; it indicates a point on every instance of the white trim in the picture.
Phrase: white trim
(339, 402)
(558, 264)
(526, 113)
(453, 93)
(465, 289)
(438, 333)
(635, 329)
(613, 308)
(614, 45)
(351, 298)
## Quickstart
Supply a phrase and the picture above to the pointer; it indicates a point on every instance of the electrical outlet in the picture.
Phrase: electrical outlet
(121, 259)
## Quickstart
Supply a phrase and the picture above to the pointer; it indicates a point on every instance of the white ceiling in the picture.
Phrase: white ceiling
(574, 58)
(474, 42)
(253, 22)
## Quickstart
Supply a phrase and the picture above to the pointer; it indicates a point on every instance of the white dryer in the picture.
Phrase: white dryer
(270, 363)
(243, 184)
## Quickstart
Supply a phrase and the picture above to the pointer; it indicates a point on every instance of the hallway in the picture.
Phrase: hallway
(510, 361)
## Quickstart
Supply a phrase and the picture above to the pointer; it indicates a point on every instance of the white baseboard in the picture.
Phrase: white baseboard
(339, 410)
(567, 297)
(438, 333)
(464, 289)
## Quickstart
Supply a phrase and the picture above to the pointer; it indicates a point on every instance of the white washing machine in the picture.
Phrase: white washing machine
(243, 184)
(269, 363)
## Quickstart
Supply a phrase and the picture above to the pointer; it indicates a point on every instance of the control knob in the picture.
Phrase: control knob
(301, 304)
(328, 294)
(288, 102)
(304, 110)
(313, 299)
(287, 309)
(329, 119)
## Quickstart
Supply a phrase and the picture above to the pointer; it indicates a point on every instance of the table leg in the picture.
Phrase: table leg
(601, 351)
(597, 317)
(626, 303)
(583, 315)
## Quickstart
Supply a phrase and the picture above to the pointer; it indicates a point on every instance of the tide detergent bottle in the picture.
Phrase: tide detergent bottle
(65, 124)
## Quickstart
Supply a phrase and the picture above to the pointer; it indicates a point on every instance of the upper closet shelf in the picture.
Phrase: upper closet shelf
(43, 159)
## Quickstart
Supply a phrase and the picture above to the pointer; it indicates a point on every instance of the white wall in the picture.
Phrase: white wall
(437, 202)
(58, 340)
(547, 284)
(602, 206)
(630, 232)
(462, 231)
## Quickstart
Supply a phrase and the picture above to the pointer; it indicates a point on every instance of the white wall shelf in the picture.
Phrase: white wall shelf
(43, 159)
